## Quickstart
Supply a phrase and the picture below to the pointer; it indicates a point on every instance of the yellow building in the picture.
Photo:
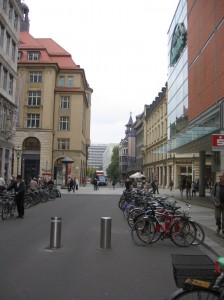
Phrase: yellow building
(54, 101)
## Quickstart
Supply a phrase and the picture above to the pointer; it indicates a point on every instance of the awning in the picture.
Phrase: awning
(188, 135)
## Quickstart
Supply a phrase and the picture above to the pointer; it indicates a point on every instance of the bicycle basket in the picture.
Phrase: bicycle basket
(199, 267)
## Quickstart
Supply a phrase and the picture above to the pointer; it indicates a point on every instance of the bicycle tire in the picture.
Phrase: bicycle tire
(51, 195)
(200, 234)
(5, 211)
(133, 214)
(127, 209)
(145, 230)
(182, 233)
(196, 294)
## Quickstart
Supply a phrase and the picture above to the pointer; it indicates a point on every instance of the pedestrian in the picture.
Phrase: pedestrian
(74, 185)
(193, 188)
(217, 196)
(19, 188)
(69, 184)
(95, 183)
(33, 185)
(153, 185)
(113, 184)
(2, 184)
(188, 188)
(127, 184)
(182, 186)
(171, 184)
(156, 187)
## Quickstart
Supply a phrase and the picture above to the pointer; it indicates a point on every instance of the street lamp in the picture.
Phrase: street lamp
(18, 151)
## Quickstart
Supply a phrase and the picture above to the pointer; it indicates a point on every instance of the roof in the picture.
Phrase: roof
(50, 51)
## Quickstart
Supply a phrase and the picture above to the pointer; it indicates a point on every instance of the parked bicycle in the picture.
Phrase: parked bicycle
(8, 205)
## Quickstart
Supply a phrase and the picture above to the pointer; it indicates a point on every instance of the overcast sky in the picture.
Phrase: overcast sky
(121, 45)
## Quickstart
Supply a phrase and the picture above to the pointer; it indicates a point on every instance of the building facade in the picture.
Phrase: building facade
(195, 83)
(54, 101)
(95, 156)
(10, 20)
(107, 157)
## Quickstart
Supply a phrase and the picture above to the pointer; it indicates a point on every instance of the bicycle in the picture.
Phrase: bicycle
(8, 205)
(159, 225)
(199, 289)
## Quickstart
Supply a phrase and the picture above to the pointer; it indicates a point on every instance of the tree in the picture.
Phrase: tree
(113, 168)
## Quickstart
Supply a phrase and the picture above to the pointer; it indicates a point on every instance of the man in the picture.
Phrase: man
(19, 188)
(218, 198)
(2, 183)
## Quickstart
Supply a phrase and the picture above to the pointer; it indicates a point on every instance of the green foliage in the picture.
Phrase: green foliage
(90, 171)
(113, 169)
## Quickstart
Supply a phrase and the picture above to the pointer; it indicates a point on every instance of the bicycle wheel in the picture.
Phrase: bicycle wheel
(144, 230)
(182, 232)
(200, 234)
(133, 214)
(197, 294)
(127, 210)
(5, 210)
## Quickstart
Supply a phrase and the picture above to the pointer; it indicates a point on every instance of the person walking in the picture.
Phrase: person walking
(95, 184)
(217, 195)
(113, 184)
(171, 185)
(188, 188)
(2, 184)
(19, 188)
(193, 189)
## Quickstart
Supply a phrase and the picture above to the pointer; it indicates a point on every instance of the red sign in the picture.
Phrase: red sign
(217, 142)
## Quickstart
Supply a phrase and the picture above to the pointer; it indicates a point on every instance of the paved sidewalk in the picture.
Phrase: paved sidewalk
(202, 211)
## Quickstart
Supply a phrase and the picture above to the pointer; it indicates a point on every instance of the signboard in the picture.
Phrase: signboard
(218, 142)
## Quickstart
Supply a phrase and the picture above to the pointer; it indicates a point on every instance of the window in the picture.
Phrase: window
(35, 76)
(10, 84)
(7, 43)
(70, 81)
(4, 5)
(15, 20)
(19, 55)
(13, 50)
(33, 55)
(34, 98)
(33, 120)
(64, 122)
(64, 101)
(61, 81)
(63, 144)
(5, 76)
(10, 11)
(2, 29)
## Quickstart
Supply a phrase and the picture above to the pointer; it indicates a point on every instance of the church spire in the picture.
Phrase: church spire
(25, 23)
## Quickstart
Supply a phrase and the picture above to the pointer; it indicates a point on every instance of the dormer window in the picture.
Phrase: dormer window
(19, 55)
(33, 55)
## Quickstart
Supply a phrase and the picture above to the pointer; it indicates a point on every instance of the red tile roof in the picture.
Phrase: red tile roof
(50, 51)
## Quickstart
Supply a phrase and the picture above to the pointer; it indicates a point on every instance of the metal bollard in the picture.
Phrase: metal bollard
(55, 238)
(105, 235)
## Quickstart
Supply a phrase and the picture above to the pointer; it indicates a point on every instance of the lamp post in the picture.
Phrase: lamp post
(18, 151)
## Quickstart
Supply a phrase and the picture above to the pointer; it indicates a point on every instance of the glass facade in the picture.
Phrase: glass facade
(178, 72)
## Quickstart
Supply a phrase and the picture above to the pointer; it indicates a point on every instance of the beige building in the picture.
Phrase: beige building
(10, 19)
(158, 163)
(54, 101)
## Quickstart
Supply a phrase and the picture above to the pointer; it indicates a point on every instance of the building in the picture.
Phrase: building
(195, 87)
(107, 157)
(54, 101)
(10, 20)
(95, 156)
